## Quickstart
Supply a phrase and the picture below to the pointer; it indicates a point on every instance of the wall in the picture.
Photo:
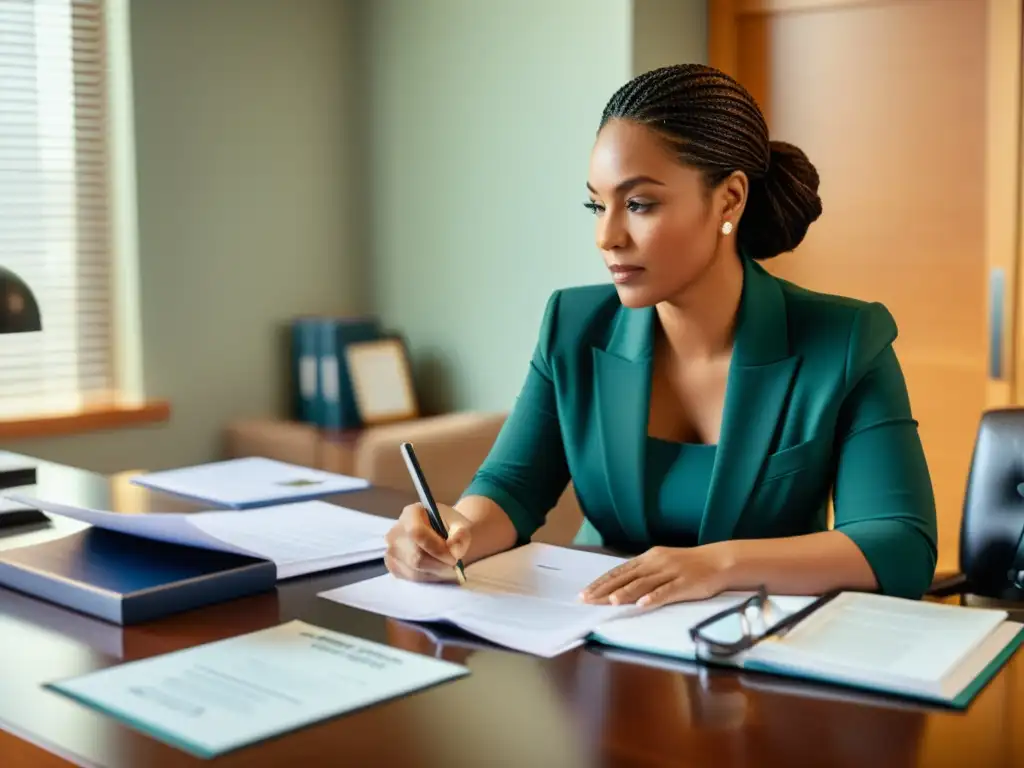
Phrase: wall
(425, 159)
(669, 32)
(482, 118)
(248, 213)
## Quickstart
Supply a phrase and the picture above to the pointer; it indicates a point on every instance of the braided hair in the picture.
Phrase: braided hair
(715, 125)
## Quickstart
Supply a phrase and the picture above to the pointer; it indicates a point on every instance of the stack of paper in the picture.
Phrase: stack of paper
(299, 538)
(526, 599)
(249, 482)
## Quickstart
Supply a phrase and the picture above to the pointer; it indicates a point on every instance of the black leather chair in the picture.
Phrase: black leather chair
(991, 551)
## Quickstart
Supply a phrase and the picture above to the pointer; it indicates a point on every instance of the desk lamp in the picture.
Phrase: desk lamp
(19, 313)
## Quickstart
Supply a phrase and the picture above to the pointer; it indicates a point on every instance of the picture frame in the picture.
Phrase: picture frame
(382, 382)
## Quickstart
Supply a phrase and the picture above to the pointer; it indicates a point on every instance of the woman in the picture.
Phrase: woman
(703, 408)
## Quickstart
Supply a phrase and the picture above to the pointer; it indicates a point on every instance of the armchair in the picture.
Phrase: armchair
(450, 448)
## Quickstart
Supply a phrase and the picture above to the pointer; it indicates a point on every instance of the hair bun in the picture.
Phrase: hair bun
(781, 205)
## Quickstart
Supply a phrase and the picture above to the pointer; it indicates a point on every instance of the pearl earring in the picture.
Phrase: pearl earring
(727, 228)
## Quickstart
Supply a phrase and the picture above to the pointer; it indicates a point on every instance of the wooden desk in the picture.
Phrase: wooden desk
(585, 708)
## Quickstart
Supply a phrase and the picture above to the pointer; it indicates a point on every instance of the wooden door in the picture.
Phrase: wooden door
(910, 111)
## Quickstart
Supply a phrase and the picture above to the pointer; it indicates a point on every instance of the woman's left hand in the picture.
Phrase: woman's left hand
(663, 575)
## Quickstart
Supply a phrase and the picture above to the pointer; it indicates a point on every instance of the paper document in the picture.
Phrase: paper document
(920, 649)
(224, 695)
(299, 538)
(249, 482)
(922, 640)
(905, 645)
(526, 599)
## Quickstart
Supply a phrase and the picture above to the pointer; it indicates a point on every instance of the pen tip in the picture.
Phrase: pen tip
(460, 573)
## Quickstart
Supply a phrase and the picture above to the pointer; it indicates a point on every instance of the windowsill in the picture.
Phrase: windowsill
(89, 420)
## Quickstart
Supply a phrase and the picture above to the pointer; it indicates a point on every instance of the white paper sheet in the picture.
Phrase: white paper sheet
(218, 697)
(299, 538)
(249, 482)
(867, 634)
(172, 528)
(525, 599)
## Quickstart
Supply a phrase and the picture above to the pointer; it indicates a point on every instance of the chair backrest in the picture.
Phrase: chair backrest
(450, 448)
(993, 513)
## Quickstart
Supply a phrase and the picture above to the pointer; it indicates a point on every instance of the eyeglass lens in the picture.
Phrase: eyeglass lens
(751, 622)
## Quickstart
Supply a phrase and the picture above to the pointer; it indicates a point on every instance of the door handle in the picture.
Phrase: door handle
(996, 302)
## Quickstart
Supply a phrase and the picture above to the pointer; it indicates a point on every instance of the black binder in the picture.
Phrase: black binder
(128, 579)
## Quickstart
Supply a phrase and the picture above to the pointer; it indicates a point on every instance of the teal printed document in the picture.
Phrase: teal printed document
(929, 651)
(224, 695)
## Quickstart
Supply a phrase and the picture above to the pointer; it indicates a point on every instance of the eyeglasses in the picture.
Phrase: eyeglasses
(747, 623)
(735, 629)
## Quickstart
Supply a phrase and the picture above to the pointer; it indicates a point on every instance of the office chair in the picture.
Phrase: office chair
(992, 528)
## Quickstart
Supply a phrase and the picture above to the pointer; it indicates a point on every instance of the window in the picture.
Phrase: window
(66, 206)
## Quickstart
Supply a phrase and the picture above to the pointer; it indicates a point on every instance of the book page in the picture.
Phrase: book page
(172, 528)
(400, 598)
(526, 598)
(300, 538)
(884, 638)
(534, 624)
(540, 570)
(17, 537)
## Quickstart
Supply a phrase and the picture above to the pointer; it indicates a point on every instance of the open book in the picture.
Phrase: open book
(300, 538)
(527, 599)
(923, 650)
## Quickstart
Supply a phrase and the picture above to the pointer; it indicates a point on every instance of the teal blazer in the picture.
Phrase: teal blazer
(815, 404)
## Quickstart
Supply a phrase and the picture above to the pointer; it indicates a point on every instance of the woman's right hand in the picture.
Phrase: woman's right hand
(415, 552)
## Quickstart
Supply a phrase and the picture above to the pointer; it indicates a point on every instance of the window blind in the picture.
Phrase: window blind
(54, 204)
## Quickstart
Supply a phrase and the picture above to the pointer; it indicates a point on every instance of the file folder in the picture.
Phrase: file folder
(126, 579)
(927, 651)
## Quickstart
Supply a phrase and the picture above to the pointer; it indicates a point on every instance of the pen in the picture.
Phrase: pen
(427, 500)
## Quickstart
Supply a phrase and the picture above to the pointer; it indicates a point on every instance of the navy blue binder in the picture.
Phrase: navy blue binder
(128, 579)
(305, 368)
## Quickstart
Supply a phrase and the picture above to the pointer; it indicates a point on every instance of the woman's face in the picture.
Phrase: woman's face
(656, 227)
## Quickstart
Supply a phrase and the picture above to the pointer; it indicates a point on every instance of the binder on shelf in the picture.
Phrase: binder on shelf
(337, 407)
(305, 368)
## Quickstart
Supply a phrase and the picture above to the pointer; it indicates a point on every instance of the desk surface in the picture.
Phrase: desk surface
(585, 708)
